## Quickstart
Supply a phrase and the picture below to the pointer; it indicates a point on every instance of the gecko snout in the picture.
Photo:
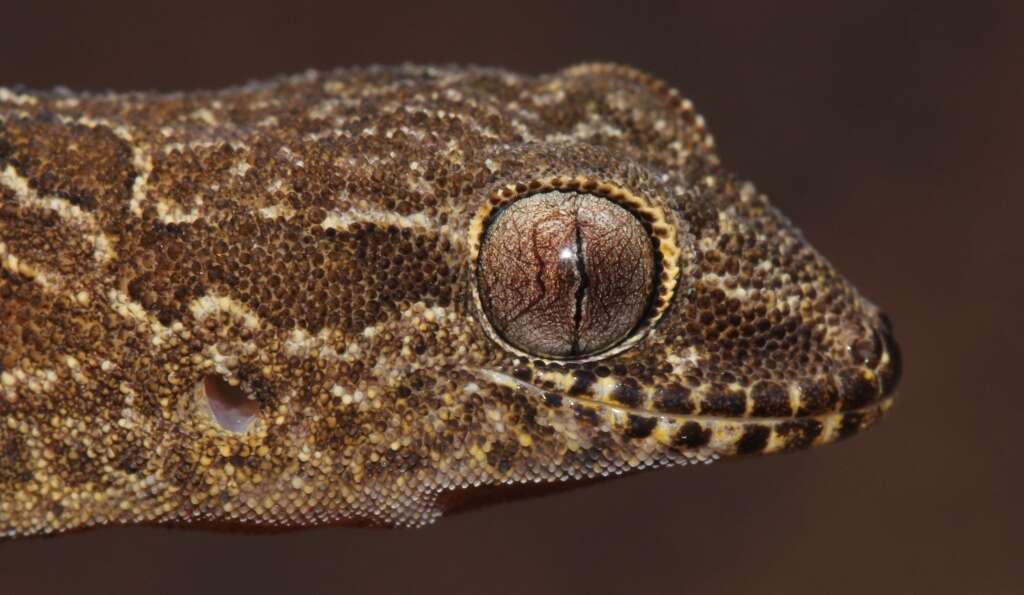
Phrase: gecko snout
(890, 362)
(864, 389)
(877, 363)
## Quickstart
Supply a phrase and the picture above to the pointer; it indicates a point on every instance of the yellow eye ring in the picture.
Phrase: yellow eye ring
(569, 268)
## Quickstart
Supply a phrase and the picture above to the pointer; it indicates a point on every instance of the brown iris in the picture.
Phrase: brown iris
(564, 274)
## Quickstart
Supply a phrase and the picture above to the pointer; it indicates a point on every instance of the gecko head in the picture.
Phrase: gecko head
(427, 280)
(660, 305)
(673, 337)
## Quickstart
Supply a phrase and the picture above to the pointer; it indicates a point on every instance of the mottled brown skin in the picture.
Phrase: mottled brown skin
(260, 307)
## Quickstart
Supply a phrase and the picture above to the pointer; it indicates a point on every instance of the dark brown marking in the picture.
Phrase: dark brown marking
(770, 400)
(88, 166)
(799, 433)
(692, 435)
(524, 374)
(673, 398)
(857, 389)
(754, 439)
(628, 393)
(13, 459)
(851, 423)
(724, 403)
(588, 414)
(553, 399)
(816, 398)
(640, 426)
(581, 382)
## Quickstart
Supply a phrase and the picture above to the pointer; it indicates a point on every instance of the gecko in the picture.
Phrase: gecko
(376, 295)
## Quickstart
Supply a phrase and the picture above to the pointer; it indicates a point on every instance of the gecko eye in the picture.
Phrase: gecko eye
(565, 274)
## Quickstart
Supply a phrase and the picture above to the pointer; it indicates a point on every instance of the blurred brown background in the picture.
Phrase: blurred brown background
(892, 135)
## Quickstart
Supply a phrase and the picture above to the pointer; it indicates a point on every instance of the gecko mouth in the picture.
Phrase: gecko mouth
(707, 436)
(807, 415)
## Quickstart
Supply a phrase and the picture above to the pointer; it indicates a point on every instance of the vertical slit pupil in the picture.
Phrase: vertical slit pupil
(581, 290)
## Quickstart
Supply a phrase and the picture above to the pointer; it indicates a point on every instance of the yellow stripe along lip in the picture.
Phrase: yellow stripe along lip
(709, 436)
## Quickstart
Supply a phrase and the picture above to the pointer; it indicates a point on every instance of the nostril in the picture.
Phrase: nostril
(886, 323)
(867, 351)
(231, 409)
(892, 371)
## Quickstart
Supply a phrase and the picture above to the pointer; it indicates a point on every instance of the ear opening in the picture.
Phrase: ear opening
(231, 409)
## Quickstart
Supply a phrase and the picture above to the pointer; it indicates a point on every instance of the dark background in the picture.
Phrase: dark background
(891, 134)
